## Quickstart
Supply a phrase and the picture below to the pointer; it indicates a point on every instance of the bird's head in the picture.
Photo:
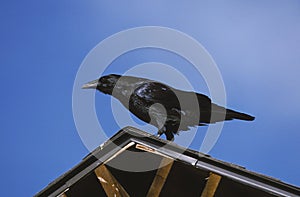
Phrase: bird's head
(104, 84)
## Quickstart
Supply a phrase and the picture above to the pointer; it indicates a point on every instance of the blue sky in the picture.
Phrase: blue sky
(256, 45)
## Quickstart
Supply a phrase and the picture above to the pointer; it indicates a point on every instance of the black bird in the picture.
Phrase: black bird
(168, 109)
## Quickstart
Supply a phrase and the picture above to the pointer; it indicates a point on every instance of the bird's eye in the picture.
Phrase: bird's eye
(103, 80)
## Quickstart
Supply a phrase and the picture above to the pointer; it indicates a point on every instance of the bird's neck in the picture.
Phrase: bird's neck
(124, 89)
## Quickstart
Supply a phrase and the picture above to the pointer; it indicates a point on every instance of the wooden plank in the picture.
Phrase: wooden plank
(150, 150)
(62, 195)
(109, 183)
(160, 177)
(119, 152)
(144, 148)
(211, 185)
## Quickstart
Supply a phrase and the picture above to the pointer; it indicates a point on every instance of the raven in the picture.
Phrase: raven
(169, 109)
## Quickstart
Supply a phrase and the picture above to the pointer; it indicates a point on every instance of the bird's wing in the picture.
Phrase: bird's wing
(154, 92)
(188, 107)
(190, 101)
(196, 107)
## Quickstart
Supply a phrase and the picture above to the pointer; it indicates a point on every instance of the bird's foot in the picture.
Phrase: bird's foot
(156, 135)
(172, 139)
(160, 132)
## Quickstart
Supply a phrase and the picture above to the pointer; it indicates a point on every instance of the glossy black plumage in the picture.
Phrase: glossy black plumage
(167, 108)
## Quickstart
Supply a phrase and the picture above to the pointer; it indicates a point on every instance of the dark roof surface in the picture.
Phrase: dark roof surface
(188, 173)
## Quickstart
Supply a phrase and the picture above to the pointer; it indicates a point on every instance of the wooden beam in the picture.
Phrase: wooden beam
(109, 183)
(150, 150)
(62, 195)
(211, 185)
(160, 177)
(119, 152)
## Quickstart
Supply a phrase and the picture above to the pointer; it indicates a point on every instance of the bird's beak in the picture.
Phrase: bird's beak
(90, 85)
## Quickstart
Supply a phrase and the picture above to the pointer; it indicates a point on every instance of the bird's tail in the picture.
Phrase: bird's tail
(219, 113)
(231, 114)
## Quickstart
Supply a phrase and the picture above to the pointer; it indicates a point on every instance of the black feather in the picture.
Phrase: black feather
(167, 108)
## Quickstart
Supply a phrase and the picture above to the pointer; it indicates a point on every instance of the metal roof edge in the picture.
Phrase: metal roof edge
(197, 159)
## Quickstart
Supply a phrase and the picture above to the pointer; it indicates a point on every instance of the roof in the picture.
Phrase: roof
(135, 163)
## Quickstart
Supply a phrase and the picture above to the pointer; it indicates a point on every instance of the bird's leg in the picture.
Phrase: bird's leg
(169, 136)
(161, 131)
